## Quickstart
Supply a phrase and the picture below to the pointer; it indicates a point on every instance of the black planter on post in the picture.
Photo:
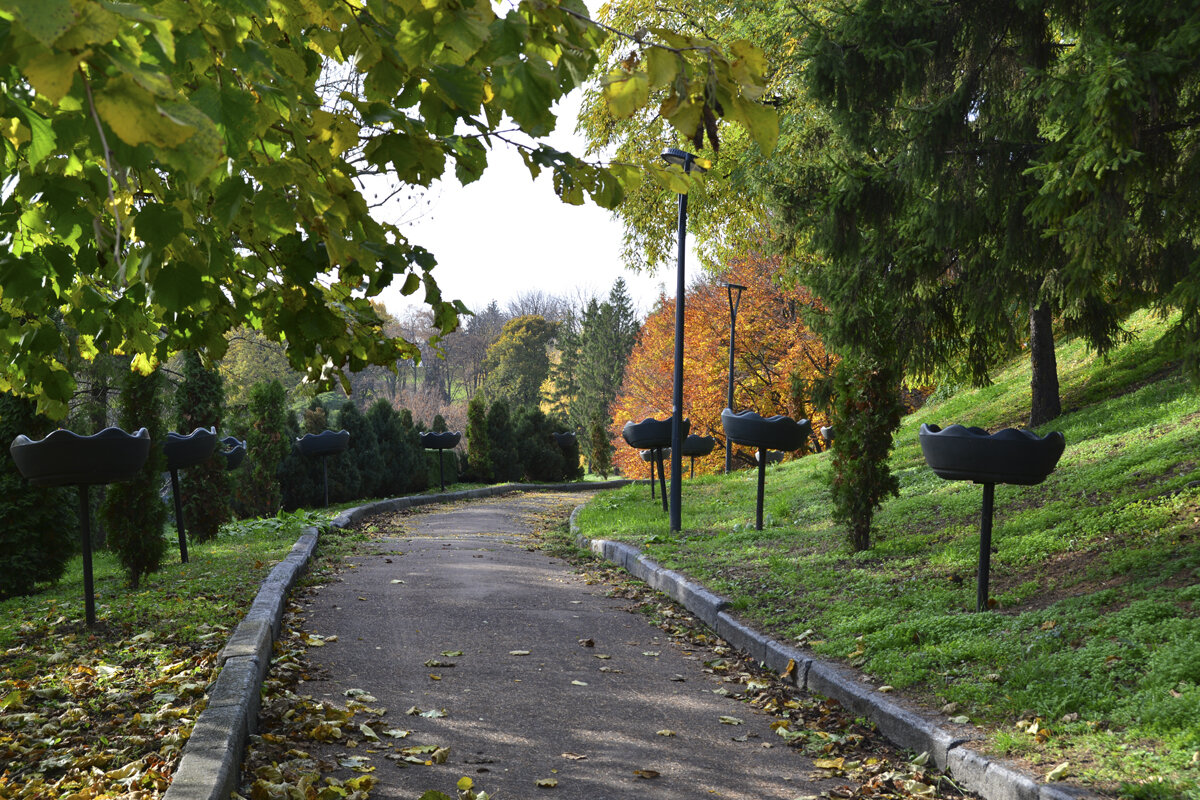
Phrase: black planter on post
(649, 456)
(322, 445)
(234, 450)
(182, 452)
(696, 446)
(827, 435)
(654, 434)
(764, 433)
(67, 459)
(565, 439)
(442, 441)
(1008, 456)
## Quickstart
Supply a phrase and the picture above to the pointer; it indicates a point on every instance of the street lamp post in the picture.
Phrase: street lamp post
(687, 162)
(735, 300)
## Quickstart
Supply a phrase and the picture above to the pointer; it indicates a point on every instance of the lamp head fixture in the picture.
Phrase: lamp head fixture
(682, 159)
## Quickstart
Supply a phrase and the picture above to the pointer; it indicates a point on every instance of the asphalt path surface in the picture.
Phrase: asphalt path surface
(552, 680)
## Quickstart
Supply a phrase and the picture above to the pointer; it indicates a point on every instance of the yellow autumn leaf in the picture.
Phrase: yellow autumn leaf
(829, 763)
(52, 72)
(134, 115)
(626, 92)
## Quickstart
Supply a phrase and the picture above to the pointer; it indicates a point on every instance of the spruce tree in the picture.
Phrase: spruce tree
(205, 487)
(134, 512)
(267, 444)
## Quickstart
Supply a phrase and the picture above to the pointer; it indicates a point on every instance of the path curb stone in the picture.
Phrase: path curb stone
(211, 763)
(210, 766)
(990, 778)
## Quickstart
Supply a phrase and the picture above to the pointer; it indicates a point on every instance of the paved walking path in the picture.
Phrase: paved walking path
(529, 699)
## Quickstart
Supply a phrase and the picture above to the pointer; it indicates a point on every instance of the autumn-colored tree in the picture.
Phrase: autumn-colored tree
(774, 353)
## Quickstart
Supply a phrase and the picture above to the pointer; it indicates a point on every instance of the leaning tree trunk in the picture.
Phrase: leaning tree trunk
(1044, 384)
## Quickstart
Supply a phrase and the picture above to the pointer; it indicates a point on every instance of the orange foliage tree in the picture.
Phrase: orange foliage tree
(776, 358)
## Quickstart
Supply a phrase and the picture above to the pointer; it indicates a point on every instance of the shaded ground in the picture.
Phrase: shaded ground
(494, 661)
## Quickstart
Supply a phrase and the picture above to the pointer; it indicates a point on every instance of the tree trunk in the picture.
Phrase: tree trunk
(1045, 404)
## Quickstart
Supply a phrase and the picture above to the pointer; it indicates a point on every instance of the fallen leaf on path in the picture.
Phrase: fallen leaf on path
(666, 732)
(434, 713)
(574, 756)
(546, 783)
(452, 653)
(397, 733)
(603, 656)
(730, 720)
(397, 580)
(578, 683)
(650, 652)
(611, 669)
(518, 652)
(589, 642)
(646, 773)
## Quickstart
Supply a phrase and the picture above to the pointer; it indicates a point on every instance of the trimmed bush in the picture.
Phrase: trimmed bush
(204, 488)
(402, 470)
(40, 531)
(268, 443)
(134, 512)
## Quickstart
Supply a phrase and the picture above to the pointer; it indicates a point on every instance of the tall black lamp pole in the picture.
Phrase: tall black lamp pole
(734, 292)
(687, 162)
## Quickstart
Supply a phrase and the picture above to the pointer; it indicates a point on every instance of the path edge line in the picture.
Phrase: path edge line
(911, 729)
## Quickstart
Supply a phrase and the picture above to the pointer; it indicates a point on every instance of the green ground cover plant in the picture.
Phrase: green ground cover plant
(1091, 656)
(105, 711)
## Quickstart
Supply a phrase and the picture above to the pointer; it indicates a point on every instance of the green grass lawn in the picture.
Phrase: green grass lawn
(1092, 654)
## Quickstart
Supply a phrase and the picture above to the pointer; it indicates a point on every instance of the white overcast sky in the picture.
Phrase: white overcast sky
(506, 234)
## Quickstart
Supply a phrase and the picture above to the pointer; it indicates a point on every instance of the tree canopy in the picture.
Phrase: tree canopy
(175, 169)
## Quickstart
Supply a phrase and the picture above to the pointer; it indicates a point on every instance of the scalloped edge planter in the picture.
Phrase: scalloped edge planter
(564, 439)
(650, 433)
(64, 458)
(110, 456)
(188, 451)
(325, 443)
(765, 433)
(696, 445)
(1011, 455)
(234, 452)
(441, 441)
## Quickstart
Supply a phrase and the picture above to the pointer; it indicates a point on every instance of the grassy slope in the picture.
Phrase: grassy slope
(1097, 576)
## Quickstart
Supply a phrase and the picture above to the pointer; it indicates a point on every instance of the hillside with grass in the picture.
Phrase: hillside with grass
(1091, 655)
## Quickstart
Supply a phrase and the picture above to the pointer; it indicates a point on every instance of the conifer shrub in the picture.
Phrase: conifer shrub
(867, 409)
(399, 451)
(134, 511)
(354, 473)
(503, 454)
(204, 487)
(268, 443)
(40, 531)
(479, 458)
(540, 455)
(300, 481)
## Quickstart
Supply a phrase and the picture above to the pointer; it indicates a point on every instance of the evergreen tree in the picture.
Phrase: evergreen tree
(134, 512)
(503, 453)
(479, 457)
(204, 487)
(38, 537)
(539, 454)
(267, 445)
(608, 332)
(354, 474)
(518, 363)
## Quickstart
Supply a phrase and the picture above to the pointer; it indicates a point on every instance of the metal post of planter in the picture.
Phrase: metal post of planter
(762, 485)
(687, 162)
(85, 530)
(183, 554)
(985, 547)
(733, 309)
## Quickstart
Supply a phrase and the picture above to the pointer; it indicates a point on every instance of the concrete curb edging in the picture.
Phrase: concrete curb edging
(910, 729)
(211, 763)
